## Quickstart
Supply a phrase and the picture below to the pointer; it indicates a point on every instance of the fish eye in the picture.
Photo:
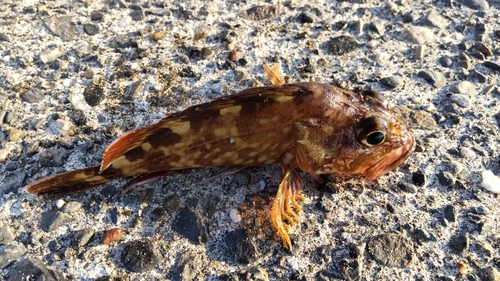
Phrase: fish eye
(372, 131)
(371, 94)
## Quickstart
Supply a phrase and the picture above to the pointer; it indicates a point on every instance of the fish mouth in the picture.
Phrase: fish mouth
(390, 161)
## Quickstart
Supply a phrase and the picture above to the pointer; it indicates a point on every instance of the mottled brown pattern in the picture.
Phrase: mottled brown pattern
(163, 137)
(135, 154)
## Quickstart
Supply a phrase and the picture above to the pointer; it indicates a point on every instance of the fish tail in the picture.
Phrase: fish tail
(72, 181)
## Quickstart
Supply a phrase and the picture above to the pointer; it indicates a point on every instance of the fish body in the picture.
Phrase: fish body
(318, 128)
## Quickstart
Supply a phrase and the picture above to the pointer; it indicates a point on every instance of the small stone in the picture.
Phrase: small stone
(460, 100)
(418, 34)
(459, 244)
(481, 78)
(418, 178)
(445, 61)
(60, 203)
(241, 247)
(50, 55)
(424, 236)
(408, 188)
(52, 220)
(481, 47)
(137, 15)
(206, 52)
(492, 65)
(187, 266)
(411, 16)
(392, 250)
(78, 117)
(464, 88)
(5, 37)
(462, 267)
(241, 178)
(434, 77)
(111, 235)
(11, 253)
(490, 273)
(306, 17)
(445, 178)
(392, 82)
(83, 49)
(435, 20)
(11, 167)
(6, 235)
(80, 238)
(72, 207)
(96, 15)
(419, 52)
(186, 224)
(378, 26)
(234, 55)
(341, 45)
(450, 213)
(62, 27)
(32, 96)
(139, 256)
(260, 12)
(93, 95)
(91, 29)
(158, 35)
(120, 41)
(481, 5)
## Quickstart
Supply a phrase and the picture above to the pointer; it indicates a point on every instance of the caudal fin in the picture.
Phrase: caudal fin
(73, 181)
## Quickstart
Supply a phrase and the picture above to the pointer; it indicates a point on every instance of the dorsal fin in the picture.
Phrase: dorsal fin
(274, 73)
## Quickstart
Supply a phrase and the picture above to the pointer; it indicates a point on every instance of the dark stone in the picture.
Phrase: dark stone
(139, 256)
(52, 220)
(445, 61)
(434, 77)
(450, 213)
(459, 244)
(418, 178)
(492, 65)
(351, 269)
(62, 27)
(78, 117)
(305, 17)
(11, 167)
(96, 15)
(377, 26)
(240, 247)
(407, 188)
(411, 16)
(341, 45)
(93, 95)
(91, 29)
(171, 203)
(120, 41)
(11, 253)
(393, 250)
(392, 82)
(424, 236)
(80, 238)
(49, 158)
(137, 15)
(260, 13)
(479, 76)
(186, 224)
(33, 269)
(445, 178)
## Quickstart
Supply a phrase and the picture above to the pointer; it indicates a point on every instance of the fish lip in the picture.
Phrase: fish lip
(379, 168)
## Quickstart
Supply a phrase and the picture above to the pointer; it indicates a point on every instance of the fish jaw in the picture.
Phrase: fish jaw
(391, 160)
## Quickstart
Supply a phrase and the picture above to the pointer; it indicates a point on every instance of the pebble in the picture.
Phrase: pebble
(341, 45)
(490, 181)
(433, 19)
(445, 61)
(258, 13)
(408, 188)
(459, 244)
(464, 88)
(60, 203)
(120, 41)
(419, 52)
(91, 29)
(445, 178)
(185, 223)
(158, 35)
(481, 78)
(481, 5)
(240, 247)
(72, 207)
(83, 49)
(418, 178)
(78, 117)
(418, 34)
(306, 17)
(139, 256)
(11, 253)
(188, 266)
(460, 100)
(93, 95)
(450, 213)
(80, 238)
(492, 65)
(52, 220)
(481, 47)
(96, 15)
(392, 250)
(11, 167)
(6, 235)
(171, 203)
(392, 82)
(434, 77)
(424, 236)
(33, 269)
(411, 16)
(49, 55)
(111, 235)
(62, 27)
(137, 15)
(5, 37)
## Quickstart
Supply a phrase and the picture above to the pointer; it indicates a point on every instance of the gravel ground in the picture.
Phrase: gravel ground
(76, 74)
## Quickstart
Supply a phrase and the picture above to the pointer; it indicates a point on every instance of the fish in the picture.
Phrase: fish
(315, 127)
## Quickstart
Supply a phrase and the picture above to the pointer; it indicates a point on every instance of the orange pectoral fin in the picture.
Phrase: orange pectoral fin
(281, 211)
(274, 73)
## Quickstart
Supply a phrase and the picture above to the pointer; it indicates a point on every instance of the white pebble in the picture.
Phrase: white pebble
(235, 215)
(490, 181)
(60, 203)
(467, 153)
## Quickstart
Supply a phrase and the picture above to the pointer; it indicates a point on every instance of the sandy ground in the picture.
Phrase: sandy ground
(75, 75)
